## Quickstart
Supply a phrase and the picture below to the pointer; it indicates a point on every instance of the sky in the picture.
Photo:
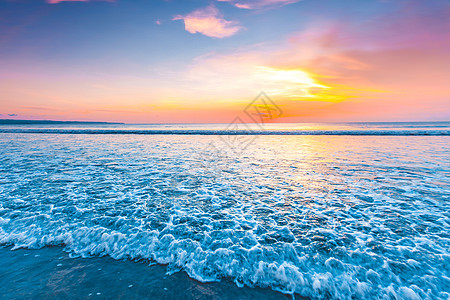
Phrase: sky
(171, 61)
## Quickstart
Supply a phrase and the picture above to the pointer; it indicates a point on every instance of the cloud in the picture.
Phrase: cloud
(242, 75)
(258, 4)
(395, 69)
(40, 108)
(210, 22)
(59, 1)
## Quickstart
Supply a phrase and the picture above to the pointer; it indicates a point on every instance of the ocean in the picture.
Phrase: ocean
(214, 211)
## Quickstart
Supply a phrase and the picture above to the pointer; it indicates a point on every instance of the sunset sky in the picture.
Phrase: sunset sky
(199, 61)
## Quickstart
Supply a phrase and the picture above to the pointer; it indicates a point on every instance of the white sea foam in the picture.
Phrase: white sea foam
(323, 217)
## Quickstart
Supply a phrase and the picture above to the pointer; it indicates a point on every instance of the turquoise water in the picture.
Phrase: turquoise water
(318, 216)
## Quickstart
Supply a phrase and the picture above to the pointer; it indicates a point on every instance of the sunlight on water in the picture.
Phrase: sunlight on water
(319, 216)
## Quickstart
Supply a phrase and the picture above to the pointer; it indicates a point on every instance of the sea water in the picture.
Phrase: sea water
(339, 215)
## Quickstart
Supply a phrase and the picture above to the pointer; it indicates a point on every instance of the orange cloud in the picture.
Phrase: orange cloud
(237, 77)
(404, 79)
(334, 72)
(210, 22)
(398, 69)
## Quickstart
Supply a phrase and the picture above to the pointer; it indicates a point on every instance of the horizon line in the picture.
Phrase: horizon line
(43, 121)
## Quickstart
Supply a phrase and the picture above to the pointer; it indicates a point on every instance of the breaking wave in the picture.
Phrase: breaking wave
(329, 217)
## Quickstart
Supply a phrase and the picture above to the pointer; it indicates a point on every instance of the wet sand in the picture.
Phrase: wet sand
(51, 273)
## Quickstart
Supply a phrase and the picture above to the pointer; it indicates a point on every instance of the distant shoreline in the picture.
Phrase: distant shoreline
(26, 122)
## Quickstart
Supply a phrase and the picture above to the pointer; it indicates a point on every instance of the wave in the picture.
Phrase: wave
(349, 221)
(234, 132)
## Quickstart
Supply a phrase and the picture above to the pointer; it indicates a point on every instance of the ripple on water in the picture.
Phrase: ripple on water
(319, 216)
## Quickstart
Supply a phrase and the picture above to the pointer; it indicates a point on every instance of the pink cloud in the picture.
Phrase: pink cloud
(398, 68)
(210, 22)
(257, 4)
(59, 1)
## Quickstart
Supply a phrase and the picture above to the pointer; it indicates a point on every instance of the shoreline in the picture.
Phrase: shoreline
(50, 272)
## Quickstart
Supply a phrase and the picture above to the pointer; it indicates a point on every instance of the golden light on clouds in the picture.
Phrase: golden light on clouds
(216, 56)
(295, 84)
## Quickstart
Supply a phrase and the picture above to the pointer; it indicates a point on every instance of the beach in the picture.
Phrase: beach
(51, 273)
(225, 149)
(312, 216)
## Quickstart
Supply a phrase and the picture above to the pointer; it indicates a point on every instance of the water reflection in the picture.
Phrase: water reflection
(315, 215)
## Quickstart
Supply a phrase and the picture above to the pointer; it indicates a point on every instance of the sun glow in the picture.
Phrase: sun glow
(295, 84)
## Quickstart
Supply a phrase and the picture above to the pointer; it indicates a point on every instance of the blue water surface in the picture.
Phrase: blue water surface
(314, 216)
